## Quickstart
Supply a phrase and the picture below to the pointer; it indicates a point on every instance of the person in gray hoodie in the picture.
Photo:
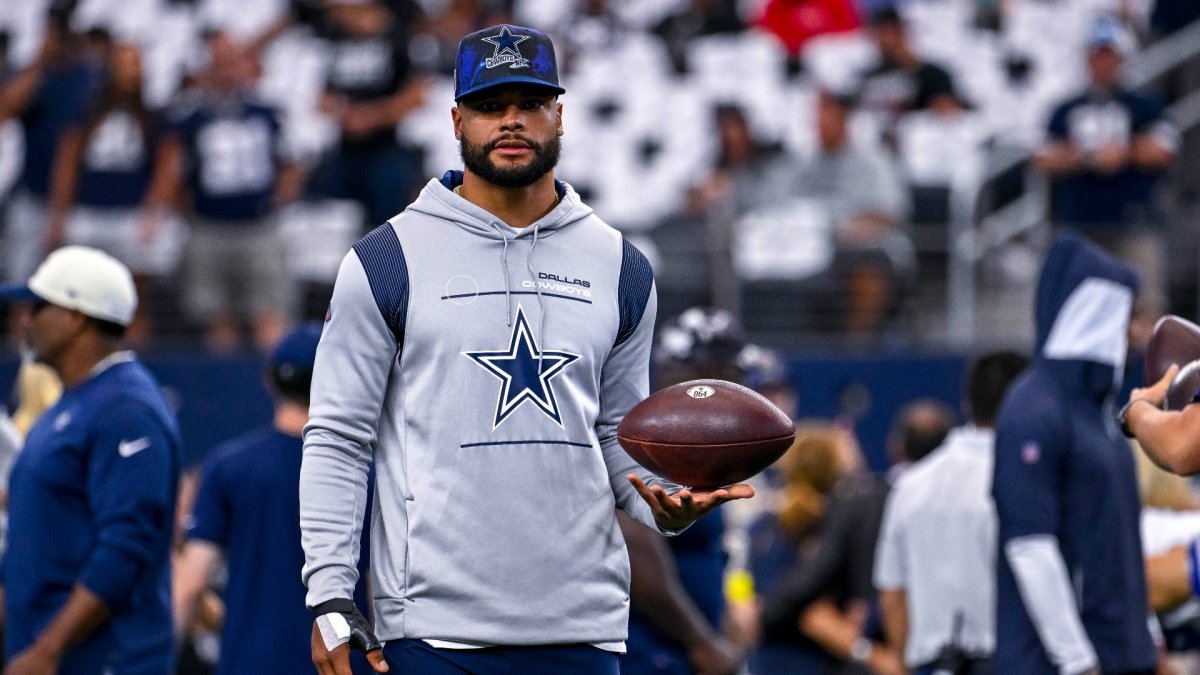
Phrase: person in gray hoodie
(481, 348)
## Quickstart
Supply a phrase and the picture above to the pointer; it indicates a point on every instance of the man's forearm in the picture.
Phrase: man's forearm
(83, 613)
(1168, 582)
(1148, 152)
(1058, 158)
(840, 634)
(191, 569)
(893, 606)
(164, 183)
(15, 96)
(1170, 438)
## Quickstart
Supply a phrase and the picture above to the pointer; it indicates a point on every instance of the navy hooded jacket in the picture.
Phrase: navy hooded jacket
(1064, 470)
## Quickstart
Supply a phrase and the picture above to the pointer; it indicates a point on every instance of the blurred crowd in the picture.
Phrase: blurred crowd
(795, 161)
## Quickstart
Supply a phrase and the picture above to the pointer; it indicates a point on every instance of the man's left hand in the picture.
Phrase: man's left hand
(673, 512)
(1157, 392)
(34, 661)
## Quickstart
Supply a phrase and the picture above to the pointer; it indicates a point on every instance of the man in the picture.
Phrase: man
(935, 561)
(482, 347)
(369, 90)
(236, 179)
(44, 97)
(900, 82)
(918, 428)
(92, 493)
(1107, 148)
(844, 208)
(1071, 589)
(248, 508)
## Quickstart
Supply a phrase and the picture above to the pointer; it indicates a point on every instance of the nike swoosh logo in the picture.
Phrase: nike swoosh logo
(131, 448)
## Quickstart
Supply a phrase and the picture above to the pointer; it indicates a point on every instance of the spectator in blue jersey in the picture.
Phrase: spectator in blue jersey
(237, 177)
(100, 193)
(677, 589)
(45, 97)
(1107, 148)
(92, 493)
(248, 508)
(370, 88)
(1071, 588)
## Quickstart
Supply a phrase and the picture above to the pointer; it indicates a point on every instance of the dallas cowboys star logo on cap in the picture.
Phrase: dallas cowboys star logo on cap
(506, 49)
(525, 372)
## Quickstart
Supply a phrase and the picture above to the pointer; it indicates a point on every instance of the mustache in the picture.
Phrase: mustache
(491, 145)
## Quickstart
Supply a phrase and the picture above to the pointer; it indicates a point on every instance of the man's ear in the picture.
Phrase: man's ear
(456, 116)
(560, 122)
(79, 321)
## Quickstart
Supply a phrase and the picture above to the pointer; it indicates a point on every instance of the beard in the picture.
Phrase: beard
(477, 159)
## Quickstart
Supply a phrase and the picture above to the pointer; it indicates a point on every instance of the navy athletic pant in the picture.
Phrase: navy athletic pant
(416, 656)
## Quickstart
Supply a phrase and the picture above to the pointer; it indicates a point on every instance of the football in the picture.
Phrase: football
(706, 433)
(1174, 341)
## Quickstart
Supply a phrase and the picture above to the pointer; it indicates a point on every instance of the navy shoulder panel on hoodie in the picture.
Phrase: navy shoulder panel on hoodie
(637, 281)
(383, 262)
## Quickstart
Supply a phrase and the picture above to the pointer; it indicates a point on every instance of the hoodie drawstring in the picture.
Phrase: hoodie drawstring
(537, 289)
(504, 268)
(541, 332)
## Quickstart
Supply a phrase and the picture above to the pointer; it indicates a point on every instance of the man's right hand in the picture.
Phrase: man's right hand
(716, 656)
(338, 627)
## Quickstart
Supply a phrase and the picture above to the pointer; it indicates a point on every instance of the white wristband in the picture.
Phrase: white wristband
(861, 650)
(335, 630)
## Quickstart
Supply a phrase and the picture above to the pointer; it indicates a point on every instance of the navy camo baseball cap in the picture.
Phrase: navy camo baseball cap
(504, 54)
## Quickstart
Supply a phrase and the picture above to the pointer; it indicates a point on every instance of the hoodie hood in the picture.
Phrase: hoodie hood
(439, 200)
(1084, 300)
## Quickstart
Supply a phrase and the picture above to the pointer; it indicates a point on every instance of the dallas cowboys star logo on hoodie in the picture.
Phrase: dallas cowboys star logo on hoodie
(525, 372)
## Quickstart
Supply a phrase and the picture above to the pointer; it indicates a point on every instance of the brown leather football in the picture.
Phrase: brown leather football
(1175, 340)
(706, 433)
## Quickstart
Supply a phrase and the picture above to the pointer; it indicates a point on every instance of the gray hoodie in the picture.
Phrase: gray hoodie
(485, 370)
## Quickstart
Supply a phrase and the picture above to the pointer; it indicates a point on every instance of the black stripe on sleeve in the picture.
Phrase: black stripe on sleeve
(382, 259)
(633, 290)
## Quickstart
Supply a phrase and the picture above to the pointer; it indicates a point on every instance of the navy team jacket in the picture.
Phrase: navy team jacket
(92, 501)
